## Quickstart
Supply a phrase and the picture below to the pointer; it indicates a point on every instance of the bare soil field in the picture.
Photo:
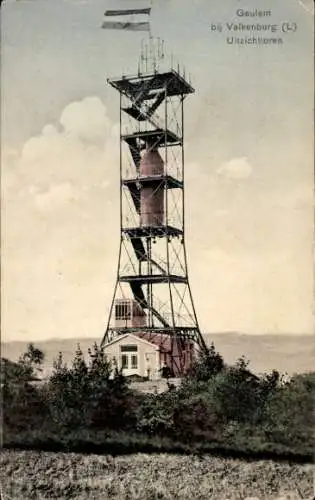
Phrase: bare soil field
(41, 475)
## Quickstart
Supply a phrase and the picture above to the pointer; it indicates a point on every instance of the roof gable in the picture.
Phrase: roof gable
(135, 338)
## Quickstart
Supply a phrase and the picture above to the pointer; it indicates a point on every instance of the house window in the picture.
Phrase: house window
(134, 361)
(122, 310)
(129, 348)
(124, 361)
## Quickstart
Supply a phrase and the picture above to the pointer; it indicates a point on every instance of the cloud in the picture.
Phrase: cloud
(237, 168)
(66, 160)
(87, 120)
(57, 213)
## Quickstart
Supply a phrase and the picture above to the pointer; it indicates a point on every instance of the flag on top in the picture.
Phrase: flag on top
(116, 25)
(127, 12)
(128, 24)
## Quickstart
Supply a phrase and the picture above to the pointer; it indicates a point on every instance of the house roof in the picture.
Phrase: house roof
(135, 338)
(162, 342)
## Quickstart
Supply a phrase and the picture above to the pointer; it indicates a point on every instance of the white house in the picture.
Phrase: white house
(135, 355)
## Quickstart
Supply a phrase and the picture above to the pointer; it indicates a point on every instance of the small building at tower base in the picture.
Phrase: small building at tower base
(145, 358)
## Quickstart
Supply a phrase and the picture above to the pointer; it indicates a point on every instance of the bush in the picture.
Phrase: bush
(89, 395)
(289, 416)
(195, 419)
(23, 403)
(215, 405)
(207, 366)
(23, 406)
(155, 414)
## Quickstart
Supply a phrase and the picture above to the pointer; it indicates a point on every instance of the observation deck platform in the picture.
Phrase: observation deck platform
(152, 231)
(170, 81)
(153, 278)
(169, 330)
(167, 180)
(157, 138)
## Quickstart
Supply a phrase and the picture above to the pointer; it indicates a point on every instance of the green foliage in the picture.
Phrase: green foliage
(215, 405)
(195, 419)
(236, 394)
(93, 394)
(67, 390)
(155, 414)
(25, 370)
(207, 366)
(23, 406)
(33, 357)
(289, 417)
(15, 372)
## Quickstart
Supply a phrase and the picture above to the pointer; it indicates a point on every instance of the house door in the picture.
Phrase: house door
(129, 359)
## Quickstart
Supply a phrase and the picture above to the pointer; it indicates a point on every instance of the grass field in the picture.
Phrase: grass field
(41, 475)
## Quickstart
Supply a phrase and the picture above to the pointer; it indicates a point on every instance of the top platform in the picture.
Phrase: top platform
(154, 83)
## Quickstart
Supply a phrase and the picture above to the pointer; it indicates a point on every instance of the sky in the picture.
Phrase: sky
(248, 151)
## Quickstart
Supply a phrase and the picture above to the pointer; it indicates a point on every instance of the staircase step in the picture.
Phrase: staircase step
(139, 248)
(135, 195)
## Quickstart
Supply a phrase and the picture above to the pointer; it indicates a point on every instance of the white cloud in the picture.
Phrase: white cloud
(87, 120)
(56, 220)
(237, 168)
(64, 161)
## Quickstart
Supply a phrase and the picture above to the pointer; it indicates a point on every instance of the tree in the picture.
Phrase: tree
(155, 413)
(235, 393)
(91, 393)
(209, 364)
(25, 370)
(67, 392)
(289, 416)
(23, 404)
(33, 355)
(195, 418)
(32, 360)
(112, 403)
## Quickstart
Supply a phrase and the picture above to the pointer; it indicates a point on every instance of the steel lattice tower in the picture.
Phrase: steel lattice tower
(152, 296)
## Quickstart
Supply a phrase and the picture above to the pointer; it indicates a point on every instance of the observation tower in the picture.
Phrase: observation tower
(152, 297)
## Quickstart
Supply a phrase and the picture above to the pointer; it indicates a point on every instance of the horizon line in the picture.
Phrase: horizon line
(224, 332)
